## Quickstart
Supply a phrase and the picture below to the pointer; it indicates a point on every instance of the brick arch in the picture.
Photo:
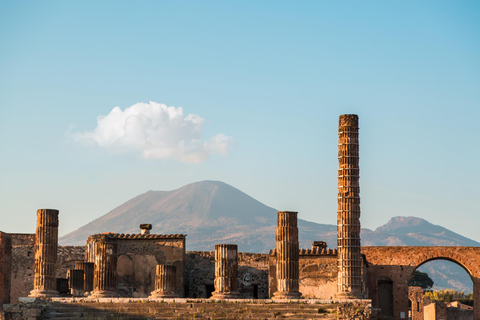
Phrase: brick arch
(399, 263)
(449, 255)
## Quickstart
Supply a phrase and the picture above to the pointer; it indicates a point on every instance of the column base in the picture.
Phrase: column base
(163, 294)
(43, 294)
(286, 295)
(226, 295)
(103, 294)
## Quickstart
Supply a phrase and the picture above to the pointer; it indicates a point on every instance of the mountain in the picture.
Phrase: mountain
(209, 212)
(212, 212)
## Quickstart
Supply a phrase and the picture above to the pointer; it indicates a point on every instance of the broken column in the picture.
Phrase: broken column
(348, 219)
(287, 256)
(165, 282)
(46, 242)
(105, 271)
(88, 270)
(76, 282)
(226, 272)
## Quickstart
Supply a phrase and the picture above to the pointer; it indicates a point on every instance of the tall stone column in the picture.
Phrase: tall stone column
(46, 243)
(165, 282)
(226, 272)
(348, 218)
(105, 271)
(76, 282)
(88, 270)
(287, 256)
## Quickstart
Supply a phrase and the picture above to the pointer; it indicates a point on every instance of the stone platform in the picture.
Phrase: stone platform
(146, 308)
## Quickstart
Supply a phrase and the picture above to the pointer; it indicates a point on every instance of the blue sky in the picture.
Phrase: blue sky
(271, 76)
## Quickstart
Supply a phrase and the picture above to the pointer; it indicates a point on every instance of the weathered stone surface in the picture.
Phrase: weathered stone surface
(287, 251)
(105, 273)
(46, 243)
(88, 269)
(226, 272)
(76, 282)
(200, 275)
(5, 267)
(348, 234)
(138, 257)
(165, 282)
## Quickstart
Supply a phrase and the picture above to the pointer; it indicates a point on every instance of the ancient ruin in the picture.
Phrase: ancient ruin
(105, 272)
(348, 246)
(287, 256)
(351, 282)
(165, 282)
(46, 242)
(226, 272)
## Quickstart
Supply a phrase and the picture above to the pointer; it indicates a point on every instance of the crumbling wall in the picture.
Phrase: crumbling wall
(22, 272)
(252, 274)
(5, 267)
(317, 274)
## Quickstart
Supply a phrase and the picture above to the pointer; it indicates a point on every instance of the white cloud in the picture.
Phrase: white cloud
(157, 131)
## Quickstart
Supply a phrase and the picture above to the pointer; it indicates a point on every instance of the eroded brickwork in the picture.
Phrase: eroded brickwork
(348, 218)
(317, 273)
(397, 264)
(252, 274)
(5, 267)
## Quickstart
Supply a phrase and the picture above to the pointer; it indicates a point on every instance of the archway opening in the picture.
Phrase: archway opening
(440, 288)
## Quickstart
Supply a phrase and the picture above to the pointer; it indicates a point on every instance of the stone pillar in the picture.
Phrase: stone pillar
(46, 242)
(76, 282)
(287, 256)
(226, 272)
(105, 271)
(88, 270)
(348, 218)
(165, 282)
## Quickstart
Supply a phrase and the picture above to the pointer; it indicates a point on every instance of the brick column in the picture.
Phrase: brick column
(348, 218)
(105, 271)
(226, 272)
(46, 242)
(165, 282)
(287, 256)
(76, 282)
(88, 270)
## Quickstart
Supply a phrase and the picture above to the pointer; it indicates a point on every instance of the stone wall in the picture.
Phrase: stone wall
(252, 274)
(22, 239)
(22, 271)
(318, 274)
(5, 267)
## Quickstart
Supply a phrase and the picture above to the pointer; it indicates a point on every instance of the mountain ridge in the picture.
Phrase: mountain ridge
(212, 211)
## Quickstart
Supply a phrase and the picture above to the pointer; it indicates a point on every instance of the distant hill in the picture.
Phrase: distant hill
(212, 212)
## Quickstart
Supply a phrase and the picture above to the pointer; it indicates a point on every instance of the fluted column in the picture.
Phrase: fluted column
(46, 242)
(226, 272)
(287, 256)
(76, 282)
(105, 271)
(165, 282)
(348, 218)
(88, 270)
